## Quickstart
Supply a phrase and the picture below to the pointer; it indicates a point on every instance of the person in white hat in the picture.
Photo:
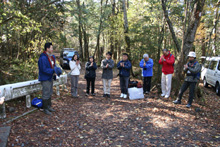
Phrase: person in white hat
(192, 70)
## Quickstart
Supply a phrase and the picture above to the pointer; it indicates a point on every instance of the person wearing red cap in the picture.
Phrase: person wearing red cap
(167, 61)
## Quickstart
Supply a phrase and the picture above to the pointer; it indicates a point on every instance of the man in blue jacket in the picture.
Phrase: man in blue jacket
(47, 70)
(147, 72)
(124, 67)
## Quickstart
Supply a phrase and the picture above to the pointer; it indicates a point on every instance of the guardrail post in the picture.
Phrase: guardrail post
(2, 111)
(28, 101)
(58, 90)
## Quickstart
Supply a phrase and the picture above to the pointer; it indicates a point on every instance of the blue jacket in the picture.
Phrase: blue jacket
(45, 70)
(124, 71)
(147, 70)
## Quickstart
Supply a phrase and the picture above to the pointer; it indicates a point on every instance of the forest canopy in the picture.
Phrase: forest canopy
(94, 27)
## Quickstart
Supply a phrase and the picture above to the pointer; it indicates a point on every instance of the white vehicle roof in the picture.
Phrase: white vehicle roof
(68, 49)
(211, 58)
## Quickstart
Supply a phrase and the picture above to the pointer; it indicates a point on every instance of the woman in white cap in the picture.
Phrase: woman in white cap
(192, 69)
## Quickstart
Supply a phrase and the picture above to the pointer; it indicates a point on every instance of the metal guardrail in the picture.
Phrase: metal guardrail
(13, 91)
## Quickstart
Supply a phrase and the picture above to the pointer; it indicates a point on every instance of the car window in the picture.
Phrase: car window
(70, 54)
(219, 65)
(65, 53)
(206, 65)
(213, 65)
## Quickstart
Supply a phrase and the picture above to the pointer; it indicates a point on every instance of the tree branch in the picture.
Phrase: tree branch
(170, 26)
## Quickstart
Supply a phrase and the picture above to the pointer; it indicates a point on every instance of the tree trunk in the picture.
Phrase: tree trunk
(160, 40)
(80, 29)
(126, 28)
(189, 38)
(215, 30)
(170, 25)
(97, 48)
(112, 31)
(86, 44)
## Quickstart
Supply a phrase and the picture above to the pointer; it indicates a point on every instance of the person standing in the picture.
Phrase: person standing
(75, 72)
(124, 67)
(192, 70)
(47, 72)
(90, 75)
(167, 61)
(107, 75)
(147, 72)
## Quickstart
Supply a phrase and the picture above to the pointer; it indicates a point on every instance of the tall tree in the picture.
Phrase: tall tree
(189, 35)
(80, 28)
(126, 28)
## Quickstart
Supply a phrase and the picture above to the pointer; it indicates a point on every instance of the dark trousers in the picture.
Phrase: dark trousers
(147, 84)
(90, 81)
(47, 91)
(124, 84)
(192, 86)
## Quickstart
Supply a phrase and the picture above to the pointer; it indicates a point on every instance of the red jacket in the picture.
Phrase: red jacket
(168, 65)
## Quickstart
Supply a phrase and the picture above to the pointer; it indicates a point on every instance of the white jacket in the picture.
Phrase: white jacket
(74, 68)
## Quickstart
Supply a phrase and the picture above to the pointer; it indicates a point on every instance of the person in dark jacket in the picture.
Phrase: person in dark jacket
(192, 70)
(147, 72)
(107, 75)
(47, 72)
(90, 75)
(124, 67)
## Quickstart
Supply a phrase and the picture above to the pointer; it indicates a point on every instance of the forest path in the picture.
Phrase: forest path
(97, 121)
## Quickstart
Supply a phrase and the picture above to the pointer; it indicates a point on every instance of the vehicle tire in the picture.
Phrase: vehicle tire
(205, 84)
(217, 89)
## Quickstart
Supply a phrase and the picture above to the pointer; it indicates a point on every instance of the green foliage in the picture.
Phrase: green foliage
(27, 25)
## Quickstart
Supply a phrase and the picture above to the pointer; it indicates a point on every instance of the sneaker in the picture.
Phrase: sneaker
(166, 96)
(104, 95)
(177, 102)
(87, 94)
(108, 95)
(188, 105)
(162, 95)
(122, 95)
(146, 92)
(125, 96)
(93, 94)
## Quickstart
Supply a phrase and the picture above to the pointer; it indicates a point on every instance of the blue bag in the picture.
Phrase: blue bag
(36, 102)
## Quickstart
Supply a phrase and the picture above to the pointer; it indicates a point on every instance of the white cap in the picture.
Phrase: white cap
(192, 54)
(145, 55)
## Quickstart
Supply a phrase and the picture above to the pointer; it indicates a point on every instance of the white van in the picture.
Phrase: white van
(211, 73)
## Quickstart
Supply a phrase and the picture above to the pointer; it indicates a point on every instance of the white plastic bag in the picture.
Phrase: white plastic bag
(135, 93)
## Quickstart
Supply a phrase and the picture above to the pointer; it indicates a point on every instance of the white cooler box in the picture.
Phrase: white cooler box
(135, 93)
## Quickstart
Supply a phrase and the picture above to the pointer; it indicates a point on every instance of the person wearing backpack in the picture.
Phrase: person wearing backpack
(90, 75)
(124, 67)
(192, 70)
(107, 75)
(75, 72)
(147, 72)
(167, 61)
